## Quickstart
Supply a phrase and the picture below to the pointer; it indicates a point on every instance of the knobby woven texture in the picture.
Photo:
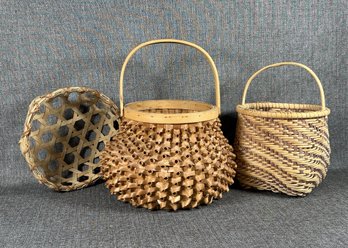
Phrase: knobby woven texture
(64, 133)
(160, 166)
(169, 154)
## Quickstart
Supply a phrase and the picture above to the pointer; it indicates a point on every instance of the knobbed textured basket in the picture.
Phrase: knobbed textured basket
(64, 133)
(169, 154)
(282, 147)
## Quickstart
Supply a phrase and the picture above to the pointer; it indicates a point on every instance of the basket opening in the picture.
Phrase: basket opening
(170, 111)
(282, 110)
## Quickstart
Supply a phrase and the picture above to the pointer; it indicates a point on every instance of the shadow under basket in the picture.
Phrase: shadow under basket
(169, 154)
(282, 147)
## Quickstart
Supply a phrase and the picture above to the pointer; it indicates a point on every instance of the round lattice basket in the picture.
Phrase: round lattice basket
(169, 154)
(282, 147)
(64, 134)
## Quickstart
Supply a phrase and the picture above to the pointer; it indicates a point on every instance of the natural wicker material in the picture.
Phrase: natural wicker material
(169, 154)
(64, 133)
(282, 147)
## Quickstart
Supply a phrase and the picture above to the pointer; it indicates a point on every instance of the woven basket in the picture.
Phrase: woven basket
(169, 154)
(64, 133)
(282, 147)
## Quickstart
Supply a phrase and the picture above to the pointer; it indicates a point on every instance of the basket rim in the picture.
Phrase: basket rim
(314, 111)
(203, 111)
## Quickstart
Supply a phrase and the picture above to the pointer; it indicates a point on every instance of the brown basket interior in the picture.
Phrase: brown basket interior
(170, 106)
(168, 111)
(281, 107)
(67, 134)
(272, 109)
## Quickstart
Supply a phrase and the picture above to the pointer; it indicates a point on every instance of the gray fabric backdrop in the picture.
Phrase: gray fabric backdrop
(45, 45)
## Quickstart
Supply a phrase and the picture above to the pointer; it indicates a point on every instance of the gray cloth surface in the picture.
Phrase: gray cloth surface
(37, 217)
(46, 45)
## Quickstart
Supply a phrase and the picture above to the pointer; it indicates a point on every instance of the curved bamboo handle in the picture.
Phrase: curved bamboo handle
(322, 96)
(205, 53)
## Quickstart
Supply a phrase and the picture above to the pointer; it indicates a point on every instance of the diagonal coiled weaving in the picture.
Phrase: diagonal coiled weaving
(282, 155)
(282, 147)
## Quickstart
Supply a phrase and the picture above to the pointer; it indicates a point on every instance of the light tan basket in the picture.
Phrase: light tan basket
(64, 133)
(169, 154)
(282, 147)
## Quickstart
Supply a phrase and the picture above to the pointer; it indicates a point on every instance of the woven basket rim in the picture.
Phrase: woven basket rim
(311, 110)
(202, 111)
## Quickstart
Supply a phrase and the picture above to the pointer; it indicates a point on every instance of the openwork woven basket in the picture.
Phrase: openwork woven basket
(169, 154)
(282, 147)
(64, 133)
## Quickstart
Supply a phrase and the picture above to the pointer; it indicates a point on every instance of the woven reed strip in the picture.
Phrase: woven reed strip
(83, 171)
(282, 147)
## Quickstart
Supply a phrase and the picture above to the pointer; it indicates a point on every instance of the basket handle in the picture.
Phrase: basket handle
(320, 86)
(205, 53)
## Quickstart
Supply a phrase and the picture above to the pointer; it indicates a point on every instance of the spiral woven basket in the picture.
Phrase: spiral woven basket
(282, 147)
(169, 154)
(64, 133)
